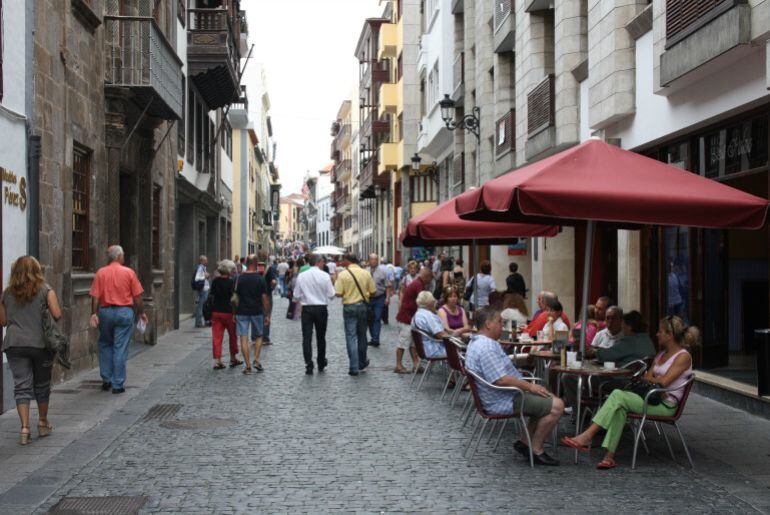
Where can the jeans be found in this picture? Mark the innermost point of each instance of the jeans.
(376, 304)
(282, 285)
(202, 296)
(116, 327)
(266, 325)
(31, 368)
(355, 316)
(314, 316)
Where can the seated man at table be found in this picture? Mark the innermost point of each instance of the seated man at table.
(486, 359)
(608, 336)
(428, 322)
(538, 324)
(633, 344)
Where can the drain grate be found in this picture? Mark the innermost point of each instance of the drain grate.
(99, 505)
(162, 412)
(198, 423)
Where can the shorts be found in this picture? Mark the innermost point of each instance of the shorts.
(404, 336)
(255, 322)
(535, 406)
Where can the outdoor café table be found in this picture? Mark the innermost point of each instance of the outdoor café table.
(588, 369)
(542, 358)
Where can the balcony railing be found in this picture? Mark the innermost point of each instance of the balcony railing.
(139, 57)
(540, 106)
(503, 9)
(369, 178)
(373, 125)
(212, 55)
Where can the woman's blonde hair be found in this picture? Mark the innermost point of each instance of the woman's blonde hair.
(688, 337)
(26, 278)
(515, 301)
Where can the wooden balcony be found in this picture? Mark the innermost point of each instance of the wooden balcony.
(369, 179)
(212, 56)
(373, 126)
(138, 57)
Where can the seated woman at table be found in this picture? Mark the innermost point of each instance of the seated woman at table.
(591, 329)
(671, 368)
(427, 321)
(555, 323)
(539, 322)
(452, 315)
(514, 311)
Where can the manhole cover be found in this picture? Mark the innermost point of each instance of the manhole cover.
(99, 505)
(198, 423)
(162, 412)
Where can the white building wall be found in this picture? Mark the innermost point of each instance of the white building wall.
(13, 143)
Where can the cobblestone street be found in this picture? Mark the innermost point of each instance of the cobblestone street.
(282, 441)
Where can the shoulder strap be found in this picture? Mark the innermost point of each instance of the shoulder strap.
(357, 286)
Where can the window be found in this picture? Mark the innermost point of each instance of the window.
(423, 98)
(433, 86)
(81, 205)
(422, 188)
(156, 201)
(400, 67)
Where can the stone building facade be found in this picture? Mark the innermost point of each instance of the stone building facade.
(107, 161)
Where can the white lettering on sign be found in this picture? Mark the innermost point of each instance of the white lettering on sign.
(10, 196)
(736, 147)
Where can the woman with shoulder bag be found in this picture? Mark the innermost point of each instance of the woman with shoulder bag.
(222, 318)
(31, 363)
(671, 368)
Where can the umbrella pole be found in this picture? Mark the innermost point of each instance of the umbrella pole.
(475, 276)
(589, 250)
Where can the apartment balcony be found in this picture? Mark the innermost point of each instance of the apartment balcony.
(390, 99)
(342, 170)
(390, 156)
(374, 73)
(389, 44)
(213, 59)
(342, 138)
(369, 179)
(336, 223)
(239, 111)
(458, 79)
(372, 125)
(139, 58)
(505, 26)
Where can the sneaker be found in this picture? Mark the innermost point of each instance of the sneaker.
(106, 385)
(352, 373)
(374, 344)
(545, 459)
(118, 390)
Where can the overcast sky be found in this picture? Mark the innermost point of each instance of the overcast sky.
(306, 48)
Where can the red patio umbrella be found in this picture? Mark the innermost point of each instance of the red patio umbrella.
(597, 182)
(442, 226)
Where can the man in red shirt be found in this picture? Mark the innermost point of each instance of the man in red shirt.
(539, 322)
(406, 311)
(114, 293)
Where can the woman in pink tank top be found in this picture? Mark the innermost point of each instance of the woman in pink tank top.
(671, 368)
(452, 314)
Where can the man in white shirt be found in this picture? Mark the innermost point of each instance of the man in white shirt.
(314, 290)
(607, 337)
(282, 267)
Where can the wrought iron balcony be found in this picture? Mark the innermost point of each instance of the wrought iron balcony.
(213, 56)
(139, 57)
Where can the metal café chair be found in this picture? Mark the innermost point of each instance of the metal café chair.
(474, 380)
(456, 369)
(417, 337)
(643, 417)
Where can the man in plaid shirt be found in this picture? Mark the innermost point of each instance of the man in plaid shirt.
(486, 359)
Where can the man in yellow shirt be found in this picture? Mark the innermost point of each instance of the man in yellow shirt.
(355, 286)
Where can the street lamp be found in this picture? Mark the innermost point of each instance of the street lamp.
(430, 171)
(469, 122)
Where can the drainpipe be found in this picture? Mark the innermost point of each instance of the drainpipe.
(33, 195)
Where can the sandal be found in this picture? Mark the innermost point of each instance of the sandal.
(400, 370)
(44, 429)
(219, 366)
(24, 437)
(569, 442)
(235, 362)
(606, 464)
(247, 371)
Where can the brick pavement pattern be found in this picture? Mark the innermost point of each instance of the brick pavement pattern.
(281, 441)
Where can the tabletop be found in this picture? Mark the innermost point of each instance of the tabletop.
(545, 354)
(591, 369)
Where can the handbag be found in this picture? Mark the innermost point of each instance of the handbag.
(369, 309)
(234, 298)
(208, 308)
(53, 338)
(469, 289)
(641, 387)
